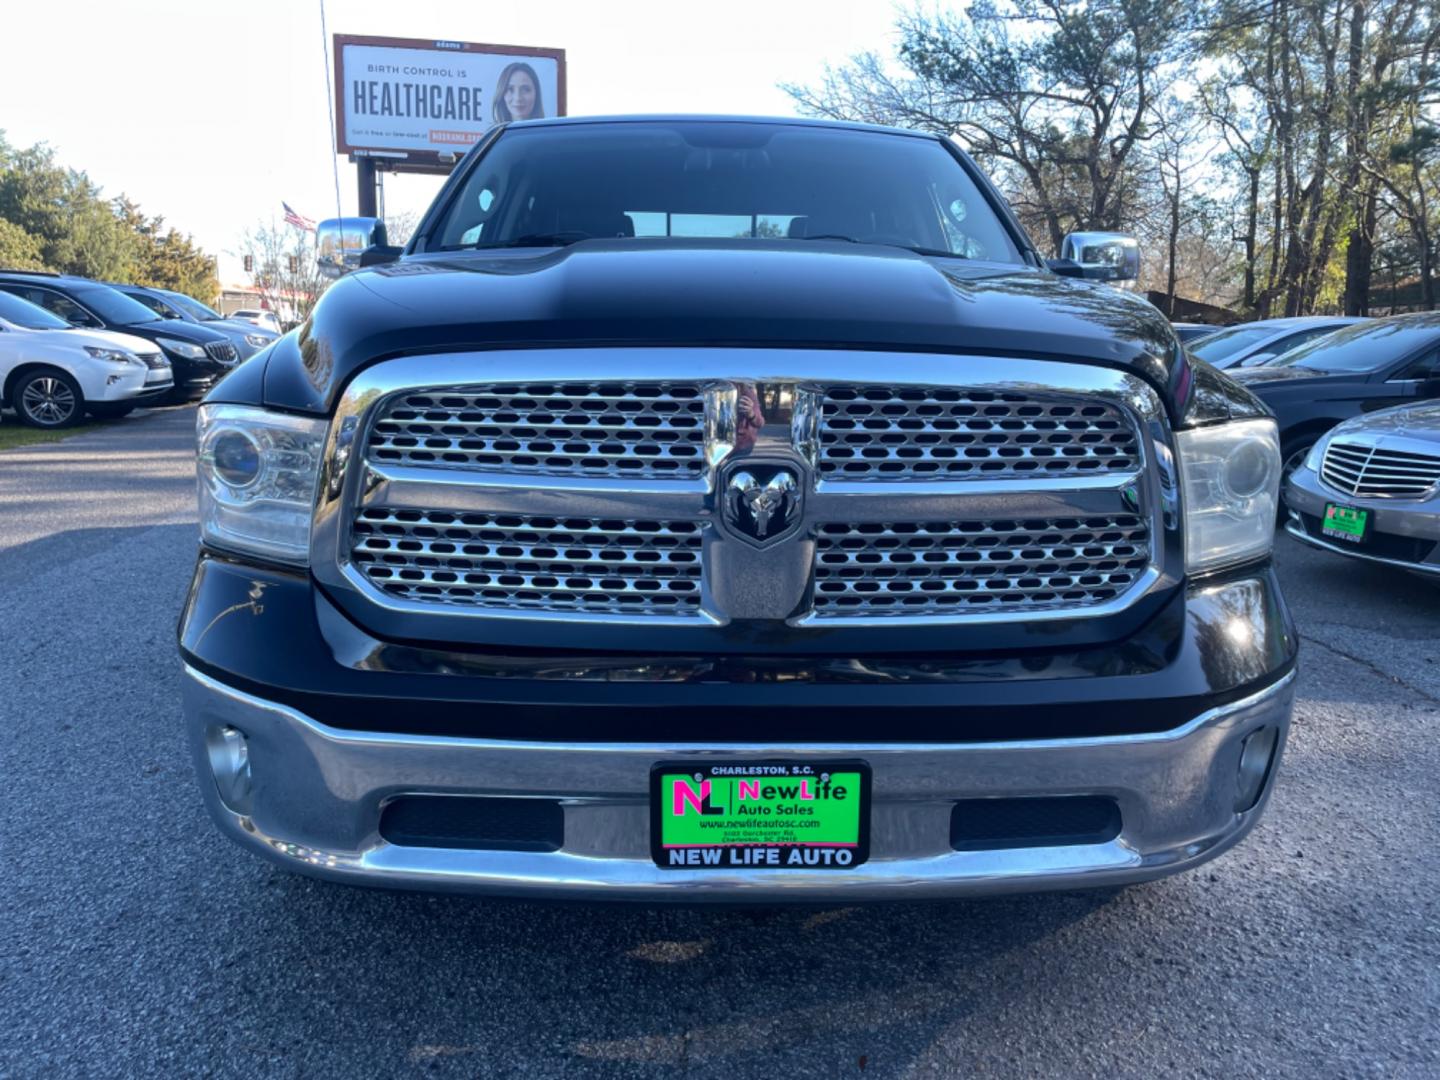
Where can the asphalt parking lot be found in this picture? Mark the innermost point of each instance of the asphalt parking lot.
(134, 940)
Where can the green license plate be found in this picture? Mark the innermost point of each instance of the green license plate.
(766, 815)
(1344, 522)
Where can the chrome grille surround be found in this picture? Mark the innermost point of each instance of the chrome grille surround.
(1369, 471)
(791, 582)
(530, 562)
(887, 569)
(223, 352)
(898, 433)
(571, 429)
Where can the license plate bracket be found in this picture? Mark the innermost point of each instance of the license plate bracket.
(788, 814)
(1347, 523)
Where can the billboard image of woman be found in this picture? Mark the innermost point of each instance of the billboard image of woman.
(517, 95)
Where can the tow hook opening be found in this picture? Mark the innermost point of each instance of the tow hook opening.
(1257, 756)
(229, 753)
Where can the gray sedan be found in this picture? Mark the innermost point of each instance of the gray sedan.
(1254, 343)
(1370, 489)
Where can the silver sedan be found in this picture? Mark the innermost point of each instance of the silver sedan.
(1370, 489)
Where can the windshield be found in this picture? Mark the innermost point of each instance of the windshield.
(1363, 347)
(192, 307)
(23, 313)
(115, 307)
(1226, 343)
(551, 186)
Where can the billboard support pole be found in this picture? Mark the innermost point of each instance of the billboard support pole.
(365, 181)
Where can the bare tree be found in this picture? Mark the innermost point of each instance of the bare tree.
(283, 269)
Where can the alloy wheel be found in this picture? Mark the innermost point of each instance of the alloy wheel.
(48, 401)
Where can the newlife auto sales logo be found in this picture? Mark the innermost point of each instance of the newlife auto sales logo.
(760, 814)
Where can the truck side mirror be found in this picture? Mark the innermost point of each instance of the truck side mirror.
(343, 244)
(1098, 256)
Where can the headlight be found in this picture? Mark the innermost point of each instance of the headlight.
(115, 356)
(1231, 480)
(257, 473)
(1312, 459)
(258, 340)
(187, 349)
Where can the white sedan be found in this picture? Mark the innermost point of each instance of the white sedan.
(51, 373)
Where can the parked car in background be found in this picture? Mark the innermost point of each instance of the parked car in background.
(1255, 343)
(247, 338)
(51, 374)
(1370, 489)
(198, 355)
(1188, 331)
(1372, 365)
(257, 317)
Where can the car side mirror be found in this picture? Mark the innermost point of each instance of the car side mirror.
(341, 243)
(1099, 256)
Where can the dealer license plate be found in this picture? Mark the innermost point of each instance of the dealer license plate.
(768, 815)
(1345, 522)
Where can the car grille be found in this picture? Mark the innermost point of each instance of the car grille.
(512, 562)
(914, 568)
(222, 351)
(925, 433)
(590, 429)
(1370, 471)
(153, 360)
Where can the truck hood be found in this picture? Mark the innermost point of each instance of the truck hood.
(711, 293)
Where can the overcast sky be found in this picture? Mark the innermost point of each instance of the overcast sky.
(211, 112)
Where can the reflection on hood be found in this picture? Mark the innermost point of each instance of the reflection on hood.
(1275, 374)
(1420, 421)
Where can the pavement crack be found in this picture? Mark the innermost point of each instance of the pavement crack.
(1372, 667)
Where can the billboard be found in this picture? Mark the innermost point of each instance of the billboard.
(414, 100)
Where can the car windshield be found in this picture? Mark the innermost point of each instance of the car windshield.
(115, 307)
(30, 316)
(556, 185)
(193, 307)
(1224, 344)
(1364, 347)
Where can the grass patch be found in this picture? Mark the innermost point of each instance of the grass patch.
(14, 435)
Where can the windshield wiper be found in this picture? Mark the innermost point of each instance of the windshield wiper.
(555, 239)
(881, 243)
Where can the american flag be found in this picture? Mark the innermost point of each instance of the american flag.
(300, 221)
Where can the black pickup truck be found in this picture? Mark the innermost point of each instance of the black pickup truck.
(717, 509)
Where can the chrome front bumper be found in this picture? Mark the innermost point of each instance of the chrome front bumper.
(317, 793)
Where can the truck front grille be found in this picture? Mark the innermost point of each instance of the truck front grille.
(924, 568)
(516, 562)
(1369, 471)
(586, 429)
(667, 486)
(928, 433)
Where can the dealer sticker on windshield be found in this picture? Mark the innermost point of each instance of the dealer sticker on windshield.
(780, 815)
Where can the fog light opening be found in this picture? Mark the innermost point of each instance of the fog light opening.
(1257, 755)
(229, 753)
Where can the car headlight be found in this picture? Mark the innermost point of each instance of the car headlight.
(1230, 475)
(257, 472)
(187, 349)
(115, 356)
(258, 340)
(1312, 459)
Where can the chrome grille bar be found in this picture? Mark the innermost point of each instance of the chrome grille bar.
(895, 569)
(513, 562)
(556, 429)
(1363, 470)
(906, 433)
